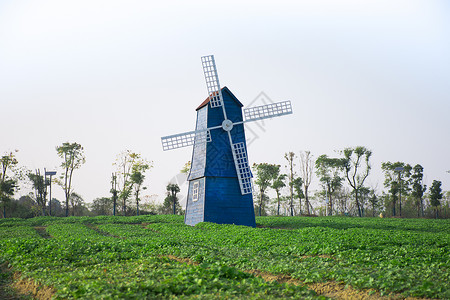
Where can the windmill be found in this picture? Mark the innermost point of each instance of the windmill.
(220, 179)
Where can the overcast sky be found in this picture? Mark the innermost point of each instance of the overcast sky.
(117, 75)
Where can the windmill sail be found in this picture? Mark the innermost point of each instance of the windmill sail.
(242, 168)
(267, 111)
(185, 139)
(212, 81)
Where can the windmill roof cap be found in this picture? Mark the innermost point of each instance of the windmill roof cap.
(224, 89)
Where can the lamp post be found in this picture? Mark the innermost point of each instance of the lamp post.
(399, 170)
(50, 173)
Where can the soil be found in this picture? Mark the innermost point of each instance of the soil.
(29, 287)
(13, 287)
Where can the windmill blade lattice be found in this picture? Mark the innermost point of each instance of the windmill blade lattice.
(212, 81)
(185, 139)
(238, 150)
(267, 111)
(243, 168)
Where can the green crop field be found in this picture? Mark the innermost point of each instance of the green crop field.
(158, 257)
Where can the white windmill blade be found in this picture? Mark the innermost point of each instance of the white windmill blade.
(267, 111)
(185, 139)
(242, 168)
(212, 81)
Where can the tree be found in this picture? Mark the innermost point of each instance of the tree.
(265, 173)
(364, 194)
(137, 179)
(172, 199)
(8, 183)
(357, 167)
(418, 188)
(40, 189)
(374, 201)
(277, 185)
(77, 203)
(436, 195)
(306, 167)
(395, 183)
(73, 157)
(290, 156)
(298, 187)
(328, 169)
(126, 161)
(7, 188)
(101, 206)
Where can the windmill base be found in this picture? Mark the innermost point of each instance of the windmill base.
(218, 200)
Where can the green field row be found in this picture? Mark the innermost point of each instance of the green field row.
(125, 257)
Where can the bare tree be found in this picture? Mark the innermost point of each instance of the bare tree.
(290, 156)
(306, 167)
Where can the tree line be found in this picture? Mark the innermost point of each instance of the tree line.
(343, 189)
(126, 185)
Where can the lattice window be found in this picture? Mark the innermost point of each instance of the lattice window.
(242, 168)
(195, 191)
(212, 81)
(268, 111)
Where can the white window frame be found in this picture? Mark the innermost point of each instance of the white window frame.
(195, 191)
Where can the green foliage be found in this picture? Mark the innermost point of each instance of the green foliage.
(73, 157)
(328, 170)
(8, 181)
(131, 168)
(356, 163)
(126, 257)
(277, 184)
(418, 188)
(265, 174)
(436, 194)
(186, 168)
(171, 203)
(102, 206)
(40, 189)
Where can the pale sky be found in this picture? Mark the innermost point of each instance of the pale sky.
(117, 75)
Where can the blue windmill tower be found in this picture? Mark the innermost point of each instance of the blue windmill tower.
(220, 179)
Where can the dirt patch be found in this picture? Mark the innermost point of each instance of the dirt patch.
(334, 290)
(12, 287)
(29, 287)
(42, 232)
(182, 260)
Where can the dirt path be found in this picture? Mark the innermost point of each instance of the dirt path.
(332, 290)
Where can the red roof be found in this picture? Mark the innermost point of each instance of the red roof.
(204, 103)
